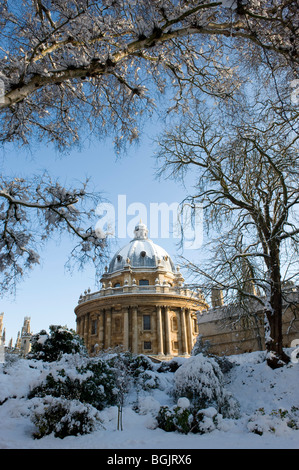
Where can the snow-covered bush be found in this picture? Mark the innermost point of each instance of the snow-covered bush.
(148, 405)
(138, 369)
(206, 420)
(143, 374)
(185, 418)
(51, 347)
(200, 346)
(203, 347)
(92, 383)
(200, 380)
(64, 418)
(174, 419)
(147, 380)
(138, 363)
(99, 386)
(172, 365)
(224, 363)
(98, 381)
(230, 407)
(134, 364)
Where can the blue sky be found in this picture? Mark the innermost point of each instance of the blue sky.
(50, 293)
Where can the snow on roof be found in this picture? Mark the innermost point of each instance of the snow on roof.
(141, 252)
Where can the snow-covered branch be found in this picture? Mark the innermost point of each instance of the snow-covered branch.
(57, 57)
(31, 212)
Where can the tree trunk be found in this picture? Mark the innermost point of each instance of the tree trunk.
(273, 329)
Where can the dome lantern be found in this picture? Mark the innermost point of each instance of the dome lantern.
(141, 231)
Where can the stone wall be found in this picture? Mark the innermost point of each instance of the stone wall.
(111, 321)
(230, 332)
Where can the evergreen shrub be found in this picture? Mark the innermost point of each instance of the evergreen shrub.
(64, 418)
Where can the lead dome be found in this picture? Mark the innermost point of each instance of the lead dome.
(142, 253)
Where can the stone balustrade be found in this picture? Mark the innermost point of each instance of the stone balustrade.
(136, 289)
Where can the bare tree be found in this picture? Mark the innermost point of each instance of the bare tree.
(247, 179)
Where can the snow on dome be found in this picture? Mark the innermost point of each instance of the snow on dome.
(141, 252)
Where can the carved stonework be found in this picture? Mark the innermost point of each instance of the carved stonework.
(145, 309)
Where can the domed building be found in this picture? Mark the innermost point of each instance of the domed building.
(143, 304)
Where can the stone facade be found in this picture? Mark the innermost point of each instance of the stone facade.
(228, 332)
(143, 305)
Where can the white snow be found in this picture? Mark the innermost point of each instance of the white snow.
(265, 396)
(183, 402)
(42, 339)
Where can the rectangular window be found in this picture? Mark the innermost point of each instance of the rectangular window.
(147, 345)
(144, 282)
(117, 325)
(146, 322)
(94, 327)
(174, 324)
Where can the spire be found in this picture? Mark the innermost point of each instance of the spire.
(18, 341)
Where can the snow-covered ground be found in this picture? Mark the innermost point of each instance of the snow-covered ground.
(260, 391)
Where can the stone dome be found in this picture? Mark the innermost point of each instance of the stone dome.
(141, 253)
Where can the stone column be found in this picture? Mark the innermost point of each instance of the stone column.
(134, 331)
(82, 326)
(86, 330)
(101, 329)
(159, 330)
(183, 332)
(108, 314)
(189, 331)
(126, 329)
(167, 331)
